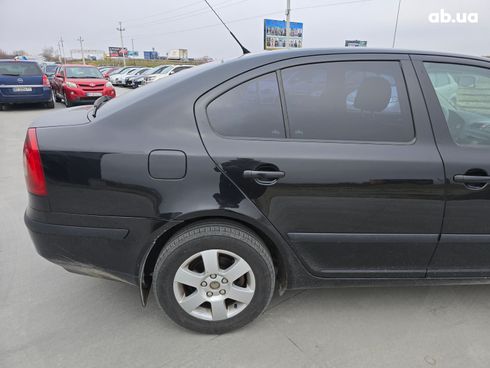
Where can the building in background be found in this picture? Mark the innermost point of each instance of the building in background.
(178, 54)
(76, 54)
(150, 55)
(275, 34)
(355, 43)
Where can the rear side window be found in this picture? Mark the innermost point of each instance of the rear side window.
(19, 68)
(464, 100)
(348, 101)
(252, 109)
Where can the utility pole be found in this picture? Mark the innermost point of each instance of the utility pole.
(81, 48)
(132, 50)
(59, 52)
(63, 49)
(121, 30)
(396, 23)
(288, 22)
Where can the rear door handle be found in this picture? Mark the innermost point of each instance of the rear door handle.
(267, 175)
(471, 179)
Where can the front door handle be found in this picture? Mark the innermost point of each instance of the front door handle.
(471, 179)
(263, 175)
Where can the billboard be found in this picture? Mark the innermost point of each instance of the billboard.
(117, 51)
(275, 34)
(355, 43)
(133, 54)
(150, 55)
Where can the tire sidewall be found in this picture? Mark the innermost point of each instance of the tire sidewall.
(163, 282)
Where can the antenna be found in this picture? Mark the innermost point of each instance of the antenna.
(244, 50)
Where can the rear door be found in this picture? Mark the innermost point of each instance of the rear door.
(457, 91)
(338, 153)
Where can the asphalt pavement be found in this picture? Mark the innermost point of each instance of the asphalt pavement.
(52, 318)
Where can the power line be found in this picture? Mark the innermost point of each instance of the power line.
(252, 17)
(163, 12)
(189, 14)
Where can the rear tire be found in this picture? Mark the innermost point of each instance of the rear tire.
(67, 102)
(214, 277)
(3, 107)
(50, 104)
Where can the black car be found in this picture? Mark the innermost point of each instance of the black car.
(290, 169)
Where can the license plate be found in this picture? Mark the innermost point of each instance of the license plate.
(94, 94)
(22, 89)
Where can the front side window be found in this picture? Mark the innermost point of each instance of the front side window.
(348, 101)
(252, 109)
(465, 100)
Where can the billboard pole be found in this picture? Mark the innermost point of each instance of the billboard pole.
(121, 29)
(288, 22)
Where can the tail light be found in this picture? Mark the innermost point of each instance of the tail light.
(33, 169)
(46, 81)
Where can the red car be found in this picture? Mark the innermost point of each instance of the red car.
(80, 83)
(107, 72)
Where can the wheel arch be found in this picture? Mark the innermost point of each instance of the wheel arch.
(273, 242)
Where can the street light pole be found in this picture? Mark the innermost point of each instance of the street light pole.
(288, 22)
(121, 30)
(81, 48)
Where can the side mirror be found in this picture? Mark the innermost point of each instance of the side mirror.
(172, 72)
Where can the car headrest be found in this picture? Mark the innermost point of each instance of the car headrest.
(373, 94)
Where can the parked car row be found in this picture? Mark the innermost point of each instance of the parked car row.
(27, 81)
(133, 77)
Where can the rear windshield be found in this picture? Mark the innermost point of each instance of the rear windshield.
(19, 68)
(83, 72)
(51, 68)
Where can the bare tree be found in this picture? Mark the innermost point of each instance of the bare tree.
(5, 55)
(19, 53)
(48, 54)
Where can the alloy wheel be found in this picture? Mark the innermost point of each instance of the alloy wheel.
(214, 285)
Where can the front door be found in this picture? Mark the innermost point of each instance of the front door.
(333, 153)
(458, 96)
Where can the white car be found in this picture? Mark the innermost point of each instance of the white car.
(171, 69)
(137, 71)
(116, 79)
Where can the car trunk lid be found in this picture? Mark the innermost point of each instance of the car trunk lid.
(66, 117)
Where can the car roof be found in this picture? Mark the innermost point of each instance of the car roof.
(286, 54)
(78, 65)
(19, 61)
